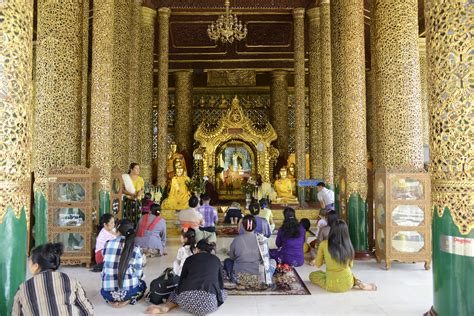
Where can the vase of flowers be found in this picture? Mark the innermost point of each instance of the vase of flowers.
(196, 186)
(248, 188)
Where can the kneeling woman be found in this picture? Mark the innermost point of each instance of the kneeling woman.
(337, 252)
(151, 234)
(201, 288)
(123, 268)
(249, 262)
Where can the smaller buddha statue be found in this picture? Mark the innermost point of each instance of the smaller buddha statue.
(202, 102)
(174, 155)
(284, 189)
(179, 194)
(223, 104)
(292, 176)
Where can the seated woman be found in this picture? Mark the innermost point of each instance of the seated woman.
(107, 221)
(190, 217)
(266, 213)
(147, 202)
(64, 296)
(290, 241)
(151, 233)
(122, 274)
(262, 226)
(188, 241)
(201, 288)
(233, 214)
(337, 252)
(249, 263)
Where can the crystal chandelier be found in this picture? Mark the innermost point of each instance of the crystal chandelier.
(227, 27)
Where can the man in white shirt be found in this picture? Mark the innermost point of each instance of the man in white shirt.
(191, 218)
(325, 196)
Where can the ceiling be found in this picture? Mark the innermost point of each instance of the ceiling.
(268, 45)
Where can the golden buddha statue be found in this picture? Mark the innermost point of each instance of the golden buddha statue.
(174, 155)
(284, 188)
(292, 176)
(179, 194)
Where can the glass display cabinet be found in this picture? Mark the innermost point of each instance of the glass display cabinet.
(73, 204)
(116, 199)
(402, 217)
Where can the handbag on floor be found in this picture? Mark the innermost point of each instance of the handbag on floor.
(162, 286)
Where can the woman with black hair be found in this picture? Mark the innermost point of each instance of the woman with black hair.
(50, 292)
(122, 274)
(290, 241)
(201, 288)
(337, 252)
(106, 233)
(249, 263)
(151, 232)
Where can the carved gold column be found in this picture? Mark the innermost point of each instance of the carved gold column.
(279, 112)
(85, 99)
(134, 122)
(121, 75)
(371, 116)
(16, 24)
(184, 114)
(315, 107)
(109, 91)
(450, 72)
(397, 73)
(298, 21)
(163, 23)
(424, 91)
(58, 104)
(348, 86)
(326, 92)
(146, 93)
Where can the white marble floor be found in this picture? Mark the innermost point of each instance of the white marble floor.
(406, 289)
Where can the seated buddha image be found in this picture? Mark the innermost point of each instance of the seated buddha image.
(292, 176)
(284, 188)
(179, 194)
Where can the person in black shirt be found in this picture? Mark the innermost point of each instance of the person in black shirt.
(201, 288)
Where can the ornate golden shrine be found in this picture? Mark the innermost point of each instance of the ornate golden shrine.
(236, 126)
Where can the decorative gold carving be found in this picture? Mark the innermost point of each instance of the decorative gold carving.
(399, 120)
(16, 20)
(58, 106)
(163, 22)
(449, 44)
(424, 91)
(184, 111)
(279, 110)
(102, 90)
(315, 106)
(223, 78)
(298, 18)
(148, 18)
(371, 117)
(348, 86)
(236, 126)
(135, 118)
(326, 92)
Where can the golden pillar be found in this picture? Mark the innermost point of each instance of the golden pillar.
(397, 74)
(450, 72)
(146, 93)
(315, 107)
(134, 109)
(371, 116)
(326, 92)
(184, 113)
(85, 99)
(348, 86)
(109, 91)
(424, 91)
(163, 23)
(59, 97)
(16, 23)
(300, 126)
(279, 112)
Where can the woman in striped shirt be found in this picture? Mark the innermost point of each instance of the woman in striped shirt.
(50, 292)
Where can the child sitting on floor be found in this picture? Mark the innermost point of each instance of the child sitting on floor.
(306, 225)
(188, 241)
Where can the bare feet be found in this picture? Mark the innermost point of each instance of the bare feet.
(119, 304)
(366, 286)
(312, 262)
(160, 309)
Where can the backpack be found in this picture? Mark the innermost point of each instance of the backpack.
(162, 286)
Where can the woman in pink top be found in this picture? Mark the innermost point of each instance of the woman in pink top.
(107, 233)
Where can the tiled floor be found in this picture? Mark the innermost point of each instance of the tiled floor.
(406, 289)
